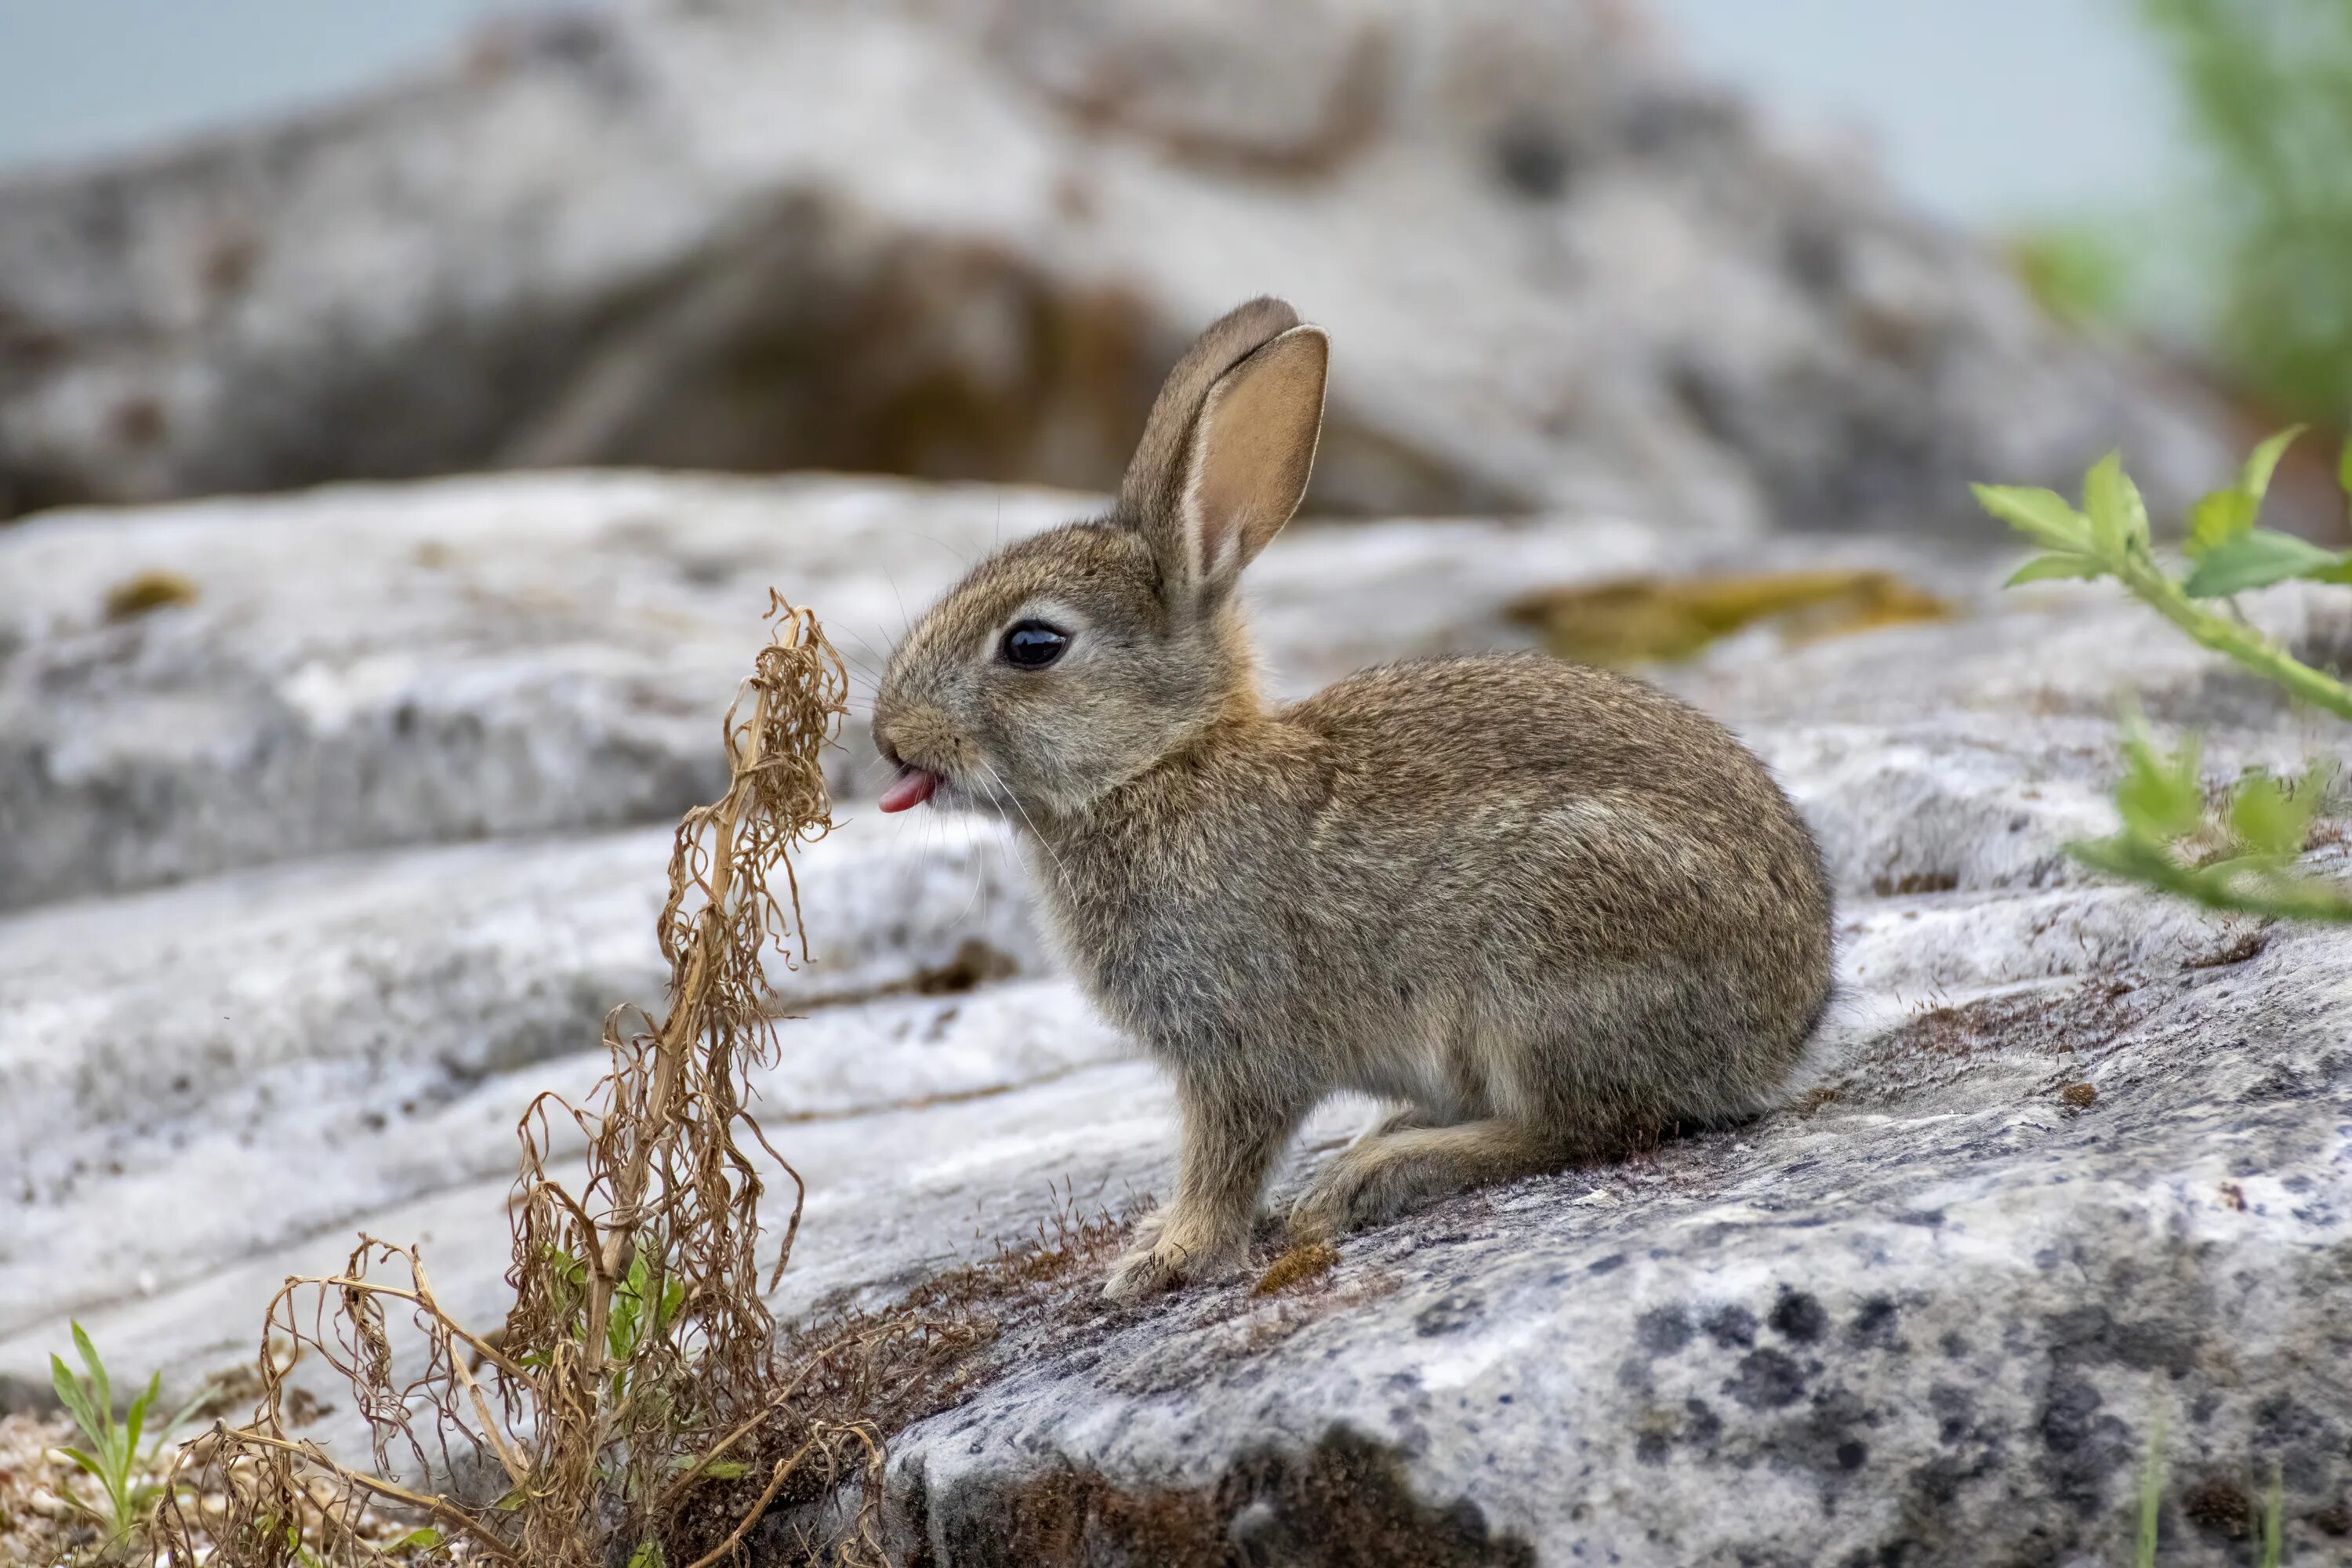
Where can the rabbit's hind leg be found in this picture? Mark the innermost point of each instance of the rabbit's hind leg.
(1381, 1176)
(1404, 1118)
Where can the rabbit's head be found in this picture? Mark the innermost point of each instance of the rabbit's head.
(1073, 660)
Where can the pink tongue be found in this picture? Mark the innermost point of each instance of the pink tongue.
(910, 788)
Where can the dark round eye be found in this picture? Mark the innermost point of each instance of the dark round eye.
(1034, 645)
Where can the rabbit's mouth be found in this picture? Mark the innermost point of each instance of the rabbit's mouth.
(912, 787)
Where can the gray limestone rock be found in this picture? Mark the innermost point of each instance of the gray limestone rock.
(2074, 1158)
(965, 241)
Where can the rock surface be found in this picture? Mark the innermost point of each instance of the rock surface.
(1928, 1317)
(372, 666)
(965, 239)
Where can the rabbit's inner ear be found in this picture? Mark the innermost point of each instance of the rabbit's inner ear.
(1252, 448)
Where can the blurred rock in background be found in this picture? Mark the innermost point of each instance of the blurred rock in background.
(963, 239)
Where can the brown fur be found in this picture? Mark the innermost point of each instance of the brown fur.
(1549, 909)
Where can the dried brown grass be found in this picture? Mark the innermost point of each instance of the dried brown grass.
(639, 1356)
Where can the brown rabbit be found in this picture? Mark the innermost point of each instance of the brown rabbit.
(1550, 910)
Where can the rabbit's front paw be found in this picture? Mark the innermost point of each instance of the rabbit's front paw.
(1165, 1255)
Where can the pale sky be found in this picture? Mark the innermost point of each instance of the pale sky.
(1985, 111)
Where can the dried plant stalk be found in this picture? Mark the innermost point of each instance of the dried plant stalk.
(639, 1343)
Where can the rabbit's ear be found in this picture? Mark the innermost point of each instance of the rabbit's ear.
(1230, 442)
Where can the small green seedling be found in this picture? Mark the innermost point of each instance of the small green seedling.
(2270, 1543)
(2240, 853)
(2151, 1494)
(113, 1455)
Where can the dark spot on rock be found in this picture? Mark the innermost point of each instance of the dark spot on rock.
(1662, 1331)
(1344, 1501)
(1651, 1448)
(2092, 1335)
(1826, 1439)
(137, 421)
(1932, 1218)
(1914, 882)
(2301, 1441)
(1938, 1481)
(1531, 158)
(1703, 1426)
(2079, 1096)
(2336, 1518)
(1615, 1262)
(1704, 396)
(1767, 1380)
(975, 963)
(1954, 1407)
(1875, 1325)
(1447, 1315)
(2086, 1444)
(1798, 1316)
(1731, 1327)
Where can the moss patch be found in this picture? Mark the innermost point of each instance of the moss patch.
(1343, 1500)
(148, 591)
(1634, 619)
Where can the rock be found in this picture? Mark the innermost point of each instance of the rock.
(1929, 1313)
(385, 1020)
(1935, 1321)
(965, 241)
(363, 666)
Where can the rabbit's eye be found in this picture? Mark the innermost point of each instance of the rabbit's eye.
(1034, 645)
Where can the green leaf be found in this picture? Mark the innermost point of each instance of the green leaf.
(75, 1397)
(135, 1422)
(2270, 819)
(103, 1395)
(86, 1461)
(648, 1554)
(2258, 558)
(2057, 563)
(2255, 479)
(2344, 466)
(2118, 517)
(673, 1298)
(424, 1540)
(725, 1470)
(2216, 518)
(2160, 797)
(2041, 514)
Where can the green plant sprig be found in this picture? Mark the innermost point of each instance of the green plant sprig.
(2108, 537)
(2241, 856)
(2253, 838)
(116, 1461)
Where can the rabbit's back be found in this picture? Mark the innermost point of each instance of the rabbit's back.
(1522, 804)
(1570, 885)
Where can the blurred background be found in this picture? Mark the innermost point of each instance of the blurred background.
(1700, 261)
(1989, 114)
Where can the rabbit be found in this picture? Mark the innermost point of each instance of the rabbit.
(1549, 912)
